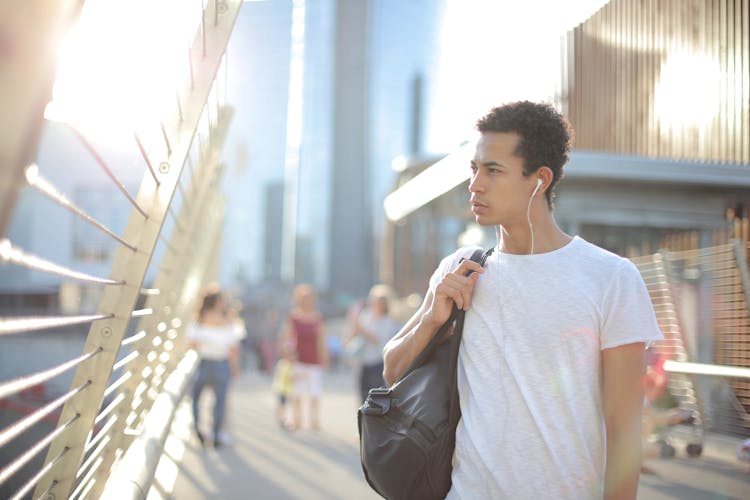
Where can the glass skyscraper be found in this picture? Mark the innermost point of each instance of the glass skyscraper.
(367, 73)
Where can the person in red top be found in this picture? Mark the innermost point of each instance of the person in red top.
(304, 328)
(656, 385)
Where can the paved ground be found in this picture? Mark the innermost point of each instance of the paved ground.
(266, 462)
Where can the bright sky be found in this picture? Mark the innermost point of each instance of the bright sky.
(110, 80)
(495, 51)
(492, 51)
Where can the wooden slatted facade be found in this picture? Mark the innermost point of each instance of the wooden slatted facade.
(661, 78)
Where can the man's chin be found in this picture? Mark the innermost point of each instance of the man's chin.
(484, 221)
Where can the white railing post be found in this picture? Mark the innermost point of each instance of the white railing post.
(67, 450)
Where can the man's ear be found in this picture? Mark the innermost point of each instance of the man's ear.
(546, 175)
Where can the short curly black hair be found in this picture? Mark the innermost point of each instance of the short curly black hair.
(546, 137)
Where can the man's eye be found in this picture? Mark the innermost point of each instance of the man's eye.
(494, 170)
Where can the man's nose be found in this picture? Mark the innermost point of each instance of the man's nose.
(475, 184)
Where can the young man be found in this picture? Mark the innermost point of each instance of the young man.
(551, 364)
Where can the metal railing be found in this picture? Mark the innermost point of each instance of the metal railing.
(709, 289)
(134, 364)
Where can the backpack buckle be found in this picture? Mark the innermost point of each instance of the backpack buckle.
(378, 401)
(380, 391)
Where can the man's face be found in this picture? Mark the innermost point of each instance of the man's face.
(499, 191)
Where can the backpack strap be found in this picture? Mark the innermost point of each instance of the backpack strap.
(455, 320)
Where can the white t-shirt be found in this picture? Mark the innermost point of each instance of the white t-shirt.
(383, 328)
(214, 342)
(529, 369)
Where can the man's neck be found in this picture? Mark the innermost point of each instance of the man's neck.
(547, 236)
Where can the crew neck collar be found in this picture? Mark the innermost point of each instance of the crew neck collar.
(563, 248)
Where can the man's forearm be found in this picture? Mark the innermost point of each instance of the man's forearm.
(623, 465)
(403, 349)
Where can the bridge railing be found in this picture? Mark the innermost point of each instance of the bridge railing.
(701, 298)
(135, 348)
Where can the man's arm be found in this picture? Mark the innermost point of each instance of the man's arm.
(406, 345)
(623, 370)
(435, 310)
(324, 356)
(234, 360)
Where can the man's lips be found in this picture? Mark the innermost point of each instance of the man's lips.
(478, 207)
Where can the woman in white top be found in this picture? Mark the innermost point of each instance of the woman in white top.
(374, 327)
(216, 336)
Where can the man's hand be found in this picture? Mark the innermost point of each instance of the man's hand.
(455, 287)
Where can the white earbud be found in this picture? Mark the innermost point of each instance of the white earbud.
(528, 213)
(538, 185)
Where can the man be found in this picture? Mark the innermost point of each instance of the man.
(551, 364)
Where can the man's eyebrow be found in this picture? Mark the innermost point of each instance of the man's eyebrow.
(490, 163)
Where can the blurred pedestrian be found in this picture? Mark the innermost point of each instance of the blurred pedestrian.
(215, 335)
(304, 328)
(371, 329)
(657, 419)
(283, 382)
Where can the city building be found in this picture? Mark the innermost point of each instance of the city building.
(328, 94)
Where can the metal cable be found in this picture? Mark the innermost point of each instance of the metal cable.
(183, 195)
(10, 432)
(84, 487)
(166, 138)
(145, 157)
(95, 453)
(117, 383)
(177, 222)
(49, 489)
(124, 361)
(14, 255)
(12, 325)
(19, 384)
(107, 170)
(23, 459)
(102, 432)
(110, 407)
(142, 312)
(35, 180)
(34, 480)
(134, 338)
(166, 242)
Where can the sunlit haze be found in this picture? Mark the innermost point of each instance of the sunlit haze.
(119, 63)
(496, 51)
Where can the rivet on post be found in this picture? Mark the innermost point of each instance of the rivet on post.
(164, 167)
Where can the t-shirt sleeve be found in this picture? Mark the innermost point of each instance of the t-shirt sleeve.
(239, 330)
(192, 332)
(628, 314)
(449, 263)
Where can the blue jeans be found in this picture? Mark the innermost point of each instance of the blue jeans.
(214, 374)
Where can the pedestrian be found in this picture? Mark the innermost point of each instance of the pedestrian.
(656, 418)
(305, 330)
(372, 328)
(283, 382)
(551, 364)
(215, 335)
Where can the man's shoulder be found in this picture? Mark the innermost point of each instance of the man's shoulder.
(597, 255)
(465, 252)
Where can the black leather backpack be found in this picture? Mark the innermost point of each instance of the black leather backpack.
(407, 432)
